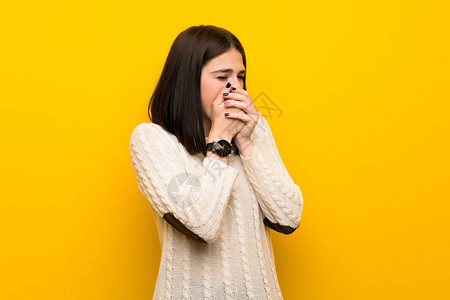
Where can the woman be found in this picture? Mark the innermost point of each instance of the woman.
(214, 208)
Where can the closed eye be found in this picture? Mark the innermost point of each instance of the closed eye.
(224, 77)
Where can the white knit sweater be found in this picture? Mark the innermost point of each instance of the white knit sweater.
(213, 219)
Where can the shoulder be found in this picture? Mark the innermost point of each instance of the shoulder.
(153, 135)
(150, 130)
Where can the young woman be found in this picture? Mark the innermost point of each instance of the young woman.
(210, 168)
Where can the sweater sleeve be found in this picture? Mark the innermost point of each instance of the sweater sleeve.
(191, 199)
(280, 199)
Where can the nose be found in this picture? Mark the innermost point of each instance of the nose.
(236, 82)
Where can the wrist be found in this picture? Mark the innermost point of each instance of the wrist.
(217, 136)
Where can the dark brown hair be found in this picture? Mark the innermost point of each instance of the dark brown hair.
(176, 102)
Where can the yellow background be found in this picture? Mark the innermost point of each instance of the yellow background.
(363, 87)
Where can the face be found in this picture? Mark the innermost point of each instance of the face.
(213, 81)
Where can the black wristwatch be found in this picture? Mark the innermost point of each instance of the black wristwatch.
(222, 147)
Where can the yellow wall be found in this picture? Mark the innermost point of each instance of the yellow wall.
(363, 87)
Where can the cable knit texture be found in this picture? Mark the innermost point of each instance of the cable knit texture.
(214, 220)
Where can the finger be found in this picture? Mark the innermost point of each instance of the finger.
(226, 90)
(253, 115)
(241, 98)
(240, 91)
(236, 96)
(242, 95)
(241, 116)
(236, 103)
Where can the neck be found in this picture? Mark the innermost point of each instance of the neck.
(206, 126)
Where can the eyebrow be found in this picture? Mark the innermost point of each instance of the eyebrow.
(228, 71)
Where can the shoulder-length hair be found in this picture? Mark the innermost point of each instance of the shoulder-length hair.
(175, 103)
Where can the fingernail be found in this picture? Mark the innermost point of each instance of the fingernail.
(226, 114)
(233, 88)
(226, 103)
(228, 85)
(225, 94)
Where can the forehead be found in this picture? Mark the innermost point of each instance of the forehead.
(228, 60)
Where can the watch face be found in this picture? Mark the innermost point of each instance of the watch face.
(223, 148)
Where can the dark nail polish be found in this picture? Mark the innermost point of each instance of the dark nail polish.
(228, 85)
(226, 114)
(225, 94)
(233, 88)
